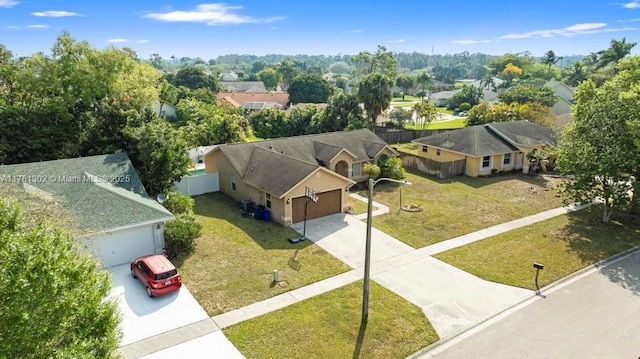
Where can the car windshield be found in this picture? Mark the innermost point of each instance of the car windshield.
(166, 275)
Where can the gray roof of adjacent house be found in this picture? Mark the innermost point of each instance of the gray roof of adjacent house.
(244, 86)
(441, 95)
(276, 165)
(104, 192)
(490, 139)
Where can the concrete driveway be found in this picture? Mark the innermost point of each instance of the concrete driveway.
(144, 317)
(452, 299)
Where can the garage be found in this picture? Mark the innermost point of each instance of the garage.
(123, 245)
(329, 202)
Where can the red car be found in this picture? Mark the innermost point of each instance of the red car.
(157, 274)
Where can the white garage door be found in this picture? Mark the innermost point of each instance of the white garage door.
(122, 246)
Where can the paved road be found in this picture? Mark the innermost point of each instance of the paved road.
(594, 316)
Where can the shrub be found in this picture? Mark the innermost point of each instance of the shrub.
(178, 203)
(180, 235)
(465, 106)
(392, 168)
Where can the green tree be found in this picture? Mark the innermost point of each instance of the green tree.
(168, 94)
(371, 170)
(594, 151)
(195, 78)
(340, 67)
(497, 64)
(391, 167)
(302, 121)
(575, 74)
(616, 52)
(270, 123)
(342, 111)
(374, 91)
(270, 78)
(288, 69)
(425, 82)
(400, 116)
(510, 73)
(425, 114)
(550, 59)
(159, 154)
(208, 124)
(502, 112)
(405, 82)
(468, 94)
(381, 62)
(309, 89)
(54, 301)
(528, 94)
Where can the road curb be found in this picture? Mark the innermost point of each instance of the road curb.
(422, 353)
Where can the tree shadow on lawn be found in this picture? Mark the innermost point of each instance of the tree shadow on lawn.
(594, 241)
(267, 234)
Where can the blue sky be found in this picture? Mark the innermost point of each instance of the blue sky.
(259, 27)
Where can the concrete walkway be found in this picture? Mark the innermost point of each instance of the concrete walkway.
(452, 300)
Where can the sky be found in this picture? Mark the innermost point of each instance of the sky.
(329, 27)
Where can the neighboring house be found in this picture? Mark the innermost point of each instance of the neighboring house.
(196, 155)
(168, 110)
(244, 86)
(276, 172)
(113, 212)
(485, 149)
(229, 76)
(565, 97)
(440, 99)
(481, 83)
(238, 99)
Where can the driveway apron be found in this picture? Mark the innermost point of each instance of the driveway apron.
(452, 299)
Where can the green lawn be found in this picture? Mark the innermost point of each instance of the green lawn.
(359, 207)
(459, 205)
(235, 257)
(441, 125)
(328, 326)
(563, 244)
(407, 98)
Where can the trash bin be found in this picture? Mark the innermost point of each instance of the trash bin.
(266, 214)
(258, 212)
(247, 205)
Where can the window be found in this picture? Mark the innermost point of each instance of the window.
(506, 160)
(233, 183)
(355, 170)
(486, 161)
(268, 200)
(438, 152)
(424, 148)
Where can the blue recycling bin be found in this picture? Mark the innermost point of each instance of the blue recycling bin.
(266, 215)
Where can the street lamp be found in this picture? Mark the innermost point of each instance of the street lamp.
(367, 252)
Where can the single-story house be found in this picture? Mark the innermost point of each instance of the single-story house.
(501, 146)
(229, 76)
(238, 99)
(114, 217)
(440, 99)
(275, 173)
(565, 97)
(244, 86)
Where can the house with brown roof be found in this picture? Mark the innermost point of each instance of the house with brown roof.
(275, 173)
(483, 149)
(239, 99)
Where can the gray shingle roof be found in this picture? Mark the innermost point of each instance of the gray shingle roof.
(490, 139)
(104, 192)
(244, 86)
(295, 157)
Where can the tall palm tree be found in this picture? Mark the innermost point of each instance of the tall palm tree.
(424, 79)
(288, 69)
(616, 52)
(577, 74)
(550, 59)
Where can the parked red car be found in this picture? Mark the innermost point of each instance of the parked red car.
(157, 274)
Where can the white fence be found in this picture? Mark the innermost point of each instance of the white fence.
(195, 185)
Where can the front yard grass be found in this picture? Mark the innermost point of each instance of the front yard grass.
(564, 244)
(460, 205)
(359, 207)
(328, 326)
(234, 259)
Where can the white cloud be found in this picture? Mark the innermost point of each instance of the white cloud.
(586, 26)
(632, 5)
(470, 42)
(577, 29)
(38, 26)
(355, 31)
(143, 41)
(54, 13)
(12, 27)
(8, 3)
(116, 41)
(210, 14)
(619, 29)
(398, 41)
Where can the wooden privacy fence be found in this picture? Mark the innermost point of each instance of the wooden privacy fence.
(433, 168)
(395, 135)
